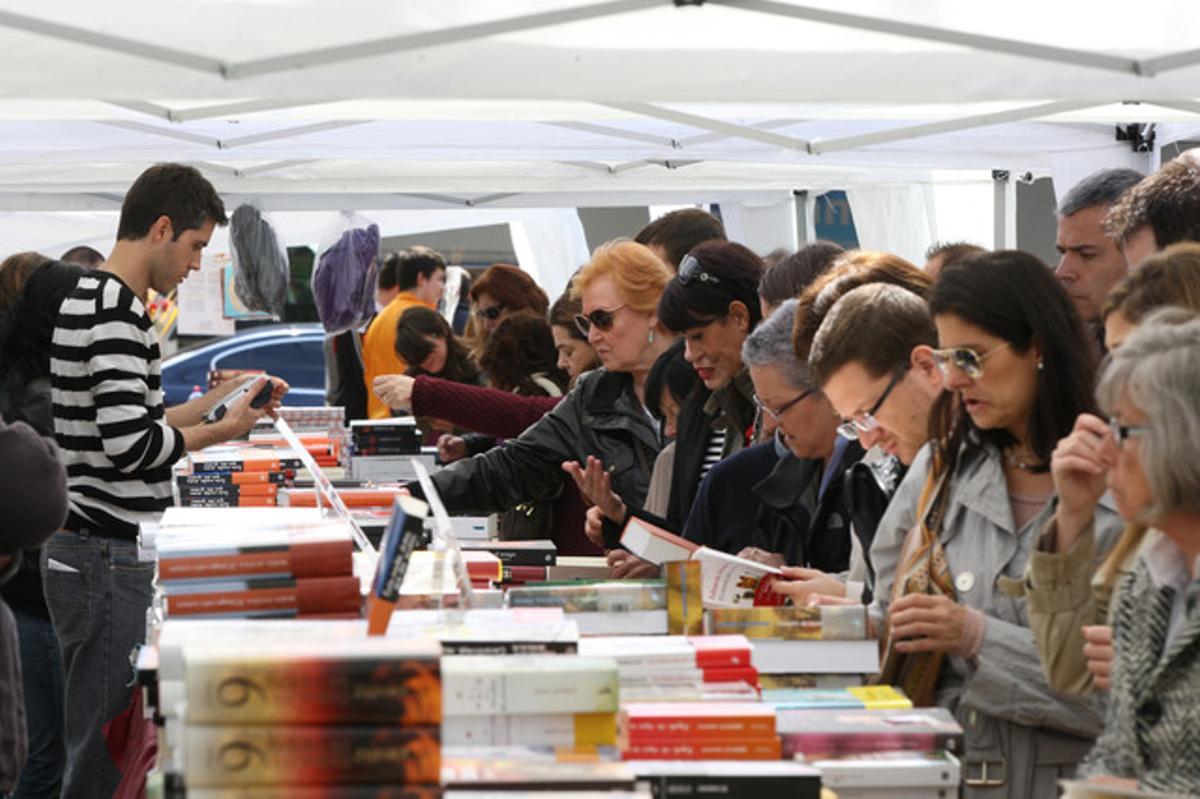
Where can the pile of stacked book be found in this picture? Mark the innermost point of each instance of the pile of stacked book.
(382, 450)
(698, 731)
(537, 561)
(256, 567)
(285, 716)
(678, 668)
(247, 475)
(794, 647)
(617, 607)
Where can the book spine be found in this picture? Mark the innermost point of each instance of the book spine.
(226, 479)
(510, 647)
(323, 559)
(742, 749)
(231, 492)
(285, 756)
(276, 597)
(685, 604)
(652, 730)
(746, 674)
(315, 792)
(386, 449)
(217, 502)
(527, 558)
(738, 787)
(239, 465)
(816, 744)
(353, 690)
(550, 729)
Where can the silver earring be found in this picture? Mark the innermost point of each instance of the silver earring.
(1041, 365)
(650, 337)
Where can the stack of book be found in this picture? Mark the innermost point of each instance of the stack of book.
(619, 607)
(522, 562)
(430, 575)
(284, 716)
(530, 700)
(698, 731)
(821, 647)
(679, 669)
(382, 450)
(296, 570)
(236, 476)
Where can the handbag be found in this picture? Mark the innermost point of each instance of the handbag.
(923, 570)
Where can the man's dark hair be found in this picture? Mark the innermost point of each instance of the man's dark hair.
(1014, 296)
(386, 277)
(679, 231)
(1167, 201)
(788, 278)
(1101, 188)
(875, 325)
(413, 262)
(736, 271)
(175, 191)
(85, 256)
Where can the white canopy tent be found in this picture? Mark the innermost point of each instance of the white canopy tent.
(441, 110)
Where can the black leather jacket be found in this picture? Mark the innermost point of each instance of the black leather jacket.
(601, 416)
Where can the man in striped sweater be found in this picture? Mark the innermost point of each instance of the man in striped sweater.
(119, 443)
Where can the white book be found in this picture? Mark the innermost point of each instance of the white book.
(654, 544)
(728, 581)
(226, 518)
(528, 684)
(779, 656)
(890, 770)
(642, 652)
(537, 729)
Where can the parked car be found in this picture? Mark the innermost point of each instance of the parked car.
(292, 352)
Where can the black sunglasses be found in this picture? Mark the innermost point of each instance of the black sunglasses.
(601, 318)
(491, 314)
(690, 271)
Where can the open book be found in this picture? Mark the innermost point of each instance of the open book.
(727, 580)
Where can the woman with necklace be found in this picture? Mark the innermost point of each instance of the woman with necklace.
(1017, 372)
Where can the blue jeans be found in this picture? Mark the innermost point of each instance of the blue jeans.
(42, 679)
(98, 595)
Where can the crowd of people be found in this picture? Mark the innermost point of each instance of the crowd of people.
(995, 456)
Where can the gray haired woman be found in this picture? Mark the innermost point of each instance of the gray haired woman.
(1151, 393)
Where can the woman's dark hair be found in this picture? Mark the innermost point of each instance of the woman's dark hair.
(512, 288)
(1014, 296)
(14, 272)
(789, 278)
(672, 372)
(563, 313)
(416, 326)
(519, 348)
(727, 272)
(28, 329)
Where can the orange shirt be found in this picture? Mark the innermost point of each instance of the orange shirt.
(379, 349)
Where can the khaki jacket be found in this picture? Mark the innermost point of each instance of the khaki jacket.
(1021, 737)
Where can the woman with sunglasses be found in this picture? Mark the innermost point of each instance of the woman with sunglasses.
(501, 291)
(1017, 370)
(603, 416)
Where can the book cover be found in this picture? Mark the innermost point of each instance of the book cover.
(730, 749)
(541, 729)
(404, 532)
(654, 544)
(317, 556)
(733, 582)
(667, 721)
(528, 684)
(608, 597)
(237, 755)
(518, 553)
(376, 680)
(832, 623)
(836, 733)
(685, 606)
(280, 597)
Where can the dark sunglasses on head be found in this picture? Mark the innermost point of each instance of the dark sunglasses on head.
(690, 271)
(491, 314)
(602, 318)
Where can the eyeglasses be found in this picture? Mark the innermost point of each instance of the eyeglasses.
(966, 359)
(691, 271)
(602, 318)
(776, 413)
(1123, 432)
(865, 421)
(491, 314)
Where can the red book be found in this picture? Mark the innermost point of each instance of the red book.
(307, 559)
(351, 497)
(730, 749)
(746, 674)
(721, 651)
(658, 722)
(269, 598)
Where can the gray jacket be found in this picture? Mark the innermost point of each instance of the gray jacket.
(1026, 735)
(1154, 701)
